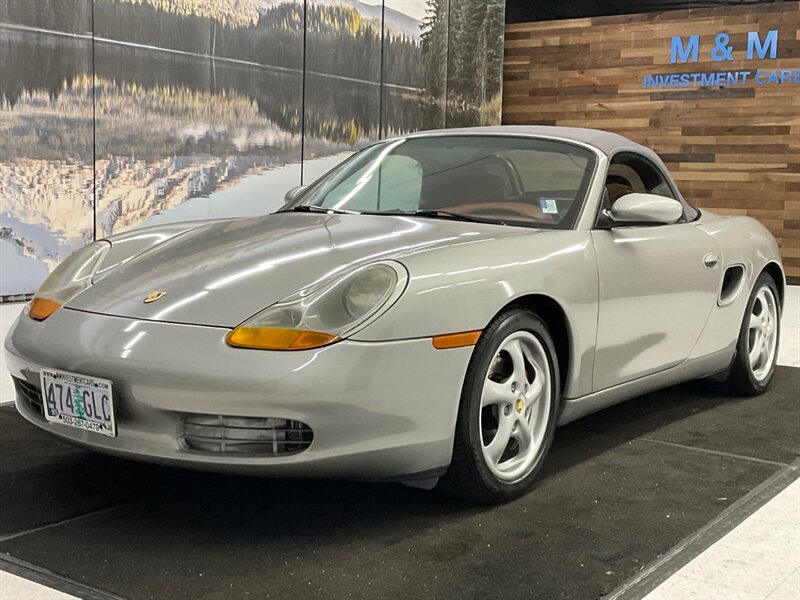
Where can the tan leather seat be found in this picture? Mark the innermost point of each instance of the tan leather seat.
(621, 180)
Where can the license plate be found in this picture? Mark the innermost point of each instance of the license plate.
(78, 401)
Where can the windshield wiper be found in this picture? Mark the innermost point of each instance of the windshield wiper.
(431, 214)
(456, 216)
(319, 209)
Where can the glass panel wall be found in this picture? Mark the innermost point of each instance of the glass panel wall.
(46, 149)
(126, 113)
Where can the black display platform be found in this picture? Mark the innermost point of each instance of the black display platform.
(620, 488)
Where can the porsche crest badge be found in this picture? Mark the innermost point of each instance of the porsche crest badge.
(153, 296)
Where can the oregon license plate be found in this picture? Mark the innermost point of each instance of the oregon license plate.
(78, 401)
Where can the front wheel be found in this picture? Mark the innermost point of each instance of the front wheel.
(757, 347)
(507, 415)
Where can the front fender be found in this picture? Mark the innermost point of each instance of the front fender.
(461, 287)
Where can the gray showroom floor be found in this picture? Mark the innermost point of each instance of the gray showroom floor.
(626, 499)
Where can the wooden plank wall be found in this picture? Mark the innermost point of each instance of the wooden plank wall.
(733, 151)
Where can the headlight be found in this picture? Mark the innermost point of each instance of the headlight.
(67, 280)
(326, 314)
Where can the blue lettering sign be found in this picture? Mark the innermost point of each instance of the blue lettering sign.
(686, 49)
(684, 53)
(721, 49)
(770, 44)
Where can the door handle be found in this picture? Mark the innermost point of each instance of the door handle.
(710, 260)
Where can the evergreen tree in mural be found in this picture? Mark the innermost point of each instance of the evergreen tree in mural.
(476, 29)
(460, 45)
(73, 16)
(343, 42)
(470, 37)
(434, 47)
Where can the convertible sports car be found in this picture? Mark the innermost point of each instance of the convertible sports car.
(435, 305)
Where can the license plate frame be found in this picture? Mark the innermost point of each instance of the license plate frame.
(79, 401)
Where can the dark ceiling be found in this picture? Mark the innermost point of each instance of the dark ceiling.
(521, 11)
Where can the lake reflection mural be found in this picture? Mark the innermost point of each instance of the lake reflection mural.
(125, 113)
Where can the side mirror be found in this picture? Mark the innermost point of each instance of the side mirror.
(294, 192)
(645, 208)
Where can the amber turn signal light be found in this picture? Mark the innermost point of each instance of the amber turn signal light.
(41, 308)
(278, 338)
(456, 340)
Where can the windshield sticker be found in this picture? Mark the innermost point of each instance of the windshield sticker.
(549, 206)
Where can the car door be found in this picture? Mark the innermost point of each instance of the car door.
(657, 283)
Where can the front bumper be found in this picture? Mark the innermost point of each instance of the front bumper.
(378, 410)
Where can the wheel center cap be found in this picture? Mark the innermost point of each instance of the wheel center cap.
(520, 404)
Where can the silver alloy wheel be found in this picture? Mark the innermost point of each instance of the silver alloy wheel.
(762, 334)
(515, 407)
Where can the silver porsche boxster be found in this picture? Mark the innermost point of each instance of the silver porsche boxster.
(435, 305)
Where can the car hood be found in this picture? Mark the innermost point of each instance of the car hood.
(221, 273)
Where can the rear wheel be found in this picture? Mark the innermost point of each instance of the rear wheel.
(757, 347)
(506, 419)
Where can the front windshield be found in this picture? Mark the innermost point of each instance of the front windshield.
(513, 180)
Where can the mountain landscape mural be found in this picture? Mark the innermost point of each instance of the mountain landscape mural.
(123, 113)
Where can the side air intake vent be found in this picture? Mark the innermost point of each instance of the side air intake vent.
(731, 284)
(245, 436)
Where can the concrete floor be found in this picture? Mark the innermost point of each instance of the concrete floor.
(758, 560)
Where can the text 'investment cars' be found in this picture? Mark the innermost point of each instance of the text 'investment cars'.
(435, 305)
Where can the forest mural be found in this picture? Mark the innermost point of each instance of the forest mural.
(123, 113)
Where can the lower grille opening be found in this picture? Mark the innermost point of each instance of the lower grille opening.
(245, 436)
(29, 395)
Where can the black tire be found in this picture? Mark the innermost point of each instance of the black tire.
(468, 471)
(741, 379)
